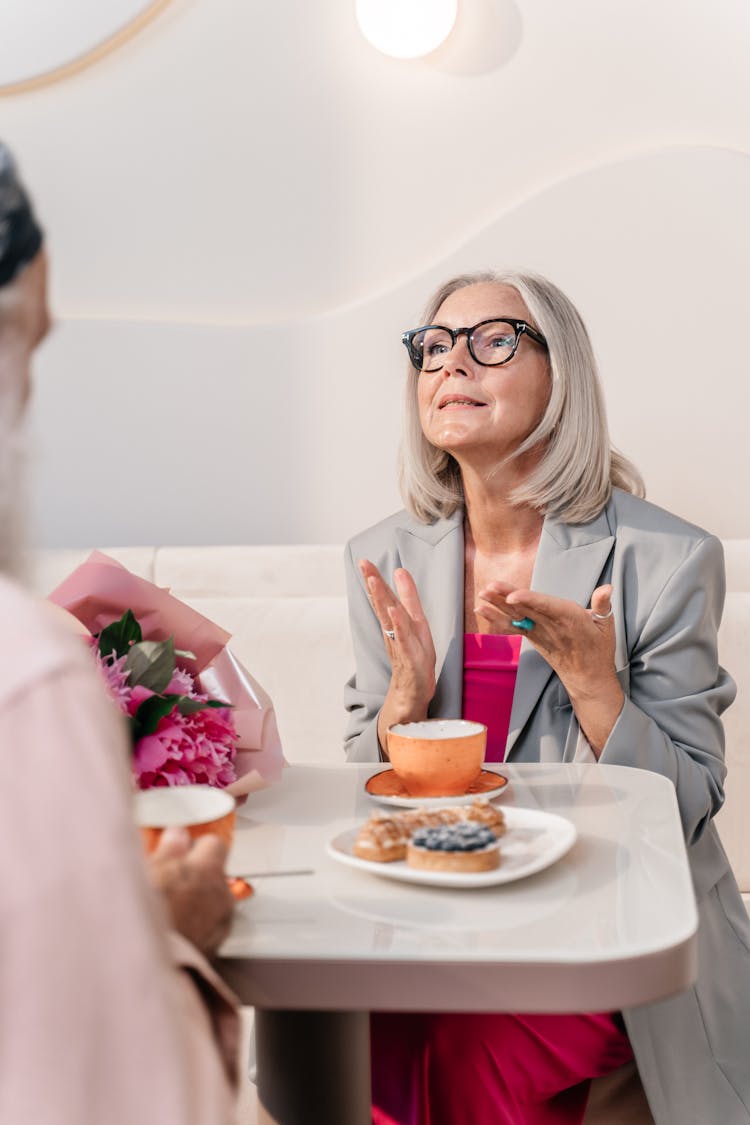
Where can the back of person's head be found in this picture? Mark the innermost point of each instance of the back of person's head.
(21, 253)
(23, 322)
(20, 234)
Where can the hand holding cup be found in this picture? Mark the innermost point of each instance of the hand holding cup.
(190, 876)
(186, 832)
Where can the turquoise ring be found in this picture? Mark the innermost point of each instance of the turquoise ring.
(525, 623)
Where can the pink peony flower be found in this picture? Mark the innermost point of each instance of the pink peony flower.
(115, 678)
(182, 684)
(197, 749)
(137, 696)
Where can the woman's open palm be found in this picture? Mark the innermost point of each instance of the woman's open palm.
(410, 648)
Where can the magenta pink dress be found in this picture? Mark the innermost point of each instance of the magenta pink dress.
(484, 1068)
(490, 666)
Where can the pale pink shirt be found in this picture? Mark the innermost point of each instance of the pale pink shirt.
(105, 1017)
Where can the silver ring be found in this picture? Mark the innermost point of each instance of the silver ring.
(603, 616)
(390, 634)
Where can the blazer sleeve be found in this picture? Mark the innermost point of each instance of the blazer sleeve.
(671, 721)
(365, 691)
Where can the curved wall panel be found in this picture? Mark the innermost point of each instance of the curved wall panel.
(288, 433)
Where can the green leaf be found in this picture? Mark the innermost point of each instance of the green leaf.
(188, 706)
(185, 652)
(151, 664)
(146, 719)
(120, 636)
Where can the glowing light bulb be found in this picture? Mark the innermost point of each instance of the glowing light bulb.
(406, 29)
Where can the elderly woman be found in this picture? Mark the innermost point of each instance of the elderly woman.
(530, 587)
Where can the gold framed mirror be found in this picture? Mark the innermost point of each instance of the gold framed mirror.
(43, 41)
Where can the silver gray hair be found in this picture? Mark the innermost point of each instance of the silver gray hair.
(13, 506)
(573, 479)
(13, 560)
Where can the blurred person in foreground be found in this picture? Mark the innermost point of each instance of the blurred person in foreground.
(110, 1012)
(530, 587)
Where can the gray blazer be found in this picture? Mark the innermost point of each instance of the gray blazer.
(668, 593)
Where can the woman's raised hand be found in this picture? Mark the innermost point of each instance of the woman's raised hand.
(410, 649)
(578, 643)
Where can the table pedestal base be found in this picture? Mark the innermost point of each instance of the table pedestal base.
(313, 1066)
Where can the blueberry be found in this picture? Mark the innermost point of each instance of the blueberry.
(463, 837)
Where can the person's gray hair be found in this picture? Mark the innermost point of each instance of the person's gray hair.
(12, 432)
(21, 240)
(13, 499)
(573, 480)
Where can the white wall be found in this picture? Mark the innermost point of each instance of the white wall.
(245, 195)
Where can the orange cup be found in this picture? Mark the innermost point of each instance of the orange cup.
(198, 808)
(437, 757)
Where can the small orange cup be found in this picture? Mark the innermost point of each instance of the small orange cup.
(437, 757)
(198, 808)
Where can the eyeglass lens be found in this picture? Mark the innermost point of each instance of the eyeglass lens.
(491, 344)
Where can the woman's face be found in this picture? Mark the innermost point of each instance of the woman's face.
(466, 408)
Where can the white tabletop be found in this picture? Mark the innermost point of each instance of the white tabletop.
(610, 925)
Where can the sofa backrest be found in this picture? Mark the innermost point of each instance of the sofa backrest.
(285, 607)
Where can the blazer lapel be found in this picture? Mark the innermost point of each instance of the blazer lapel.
(434, 556)
(569, 563)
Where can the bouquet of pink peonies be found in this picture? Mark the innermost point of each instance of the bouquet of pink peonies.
(180, 736)
(196, 715)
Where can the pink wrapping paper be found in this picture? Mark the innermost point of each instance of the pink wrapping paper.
(100, 590)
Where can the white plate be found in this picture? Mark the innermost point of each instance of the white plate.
(408, 802)
(532, 841)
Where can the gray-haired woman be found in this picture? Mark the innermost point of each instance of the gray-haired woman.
(524, 524)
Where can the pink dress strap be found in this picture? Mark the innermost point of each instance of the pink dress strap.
(490, 667)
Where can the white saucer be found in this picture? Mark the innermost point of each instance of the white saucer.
(532, 841)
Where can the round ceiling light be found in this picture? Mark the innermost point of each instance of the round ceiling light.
(406, 29)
